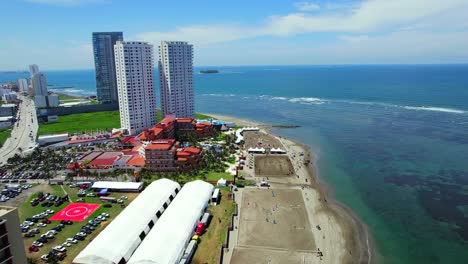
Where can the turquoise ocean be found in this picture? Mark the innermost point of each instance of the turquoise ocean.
(391, 141)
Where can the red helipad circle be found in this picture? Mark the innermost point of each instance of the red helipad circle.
(76, 211)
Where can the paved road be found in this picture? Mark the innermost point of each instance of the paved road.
(20, 135)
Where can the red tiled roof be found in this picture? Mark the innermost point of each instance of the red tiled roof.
(184, 120)
(181, 159)
(183, 153)
(167, 120)
(136, 161)
(161, 144)
(192, 150)
(128, 140)
(100, 162)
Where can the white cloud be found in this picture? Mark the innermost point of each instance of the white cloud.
(306, 6)
(367, 17)
(66, 2)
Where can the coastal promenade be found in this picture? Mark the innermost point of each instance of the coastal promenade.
(293, 220)
(24, 131)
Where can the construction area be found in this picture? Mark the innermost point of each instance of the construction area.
(273, 165)
(274, 228)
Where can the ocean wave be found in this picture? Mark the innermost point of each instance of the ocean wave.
(313, 100)
(436, 109)
(279, 98)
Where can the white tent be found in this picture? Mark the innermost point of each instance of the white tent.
(166, 242)
(123, 235)
(221, 182)
(277, 151)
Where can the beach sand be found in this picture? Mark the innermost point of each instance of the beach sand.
(336, 230)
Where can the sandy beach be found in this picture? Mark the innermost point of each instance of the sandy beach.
(335, 229)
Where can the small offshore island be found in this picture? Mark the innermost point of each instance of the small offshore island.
(208, 71)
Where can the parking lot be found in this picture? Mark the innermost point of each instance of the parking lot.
(68, 238)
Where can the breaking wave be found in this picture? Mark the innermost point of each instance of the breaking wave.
(437, 109)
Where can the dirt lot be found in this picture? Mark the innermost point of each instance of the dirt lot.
(275, 219)
(255, 255)
(273, 165)
(259, 139)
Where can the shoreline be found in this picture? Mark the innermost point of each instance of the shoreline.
(354, 231)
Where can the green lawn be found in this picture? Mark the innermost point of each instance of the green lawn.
(202, 116)
(26, 210)
(69, 97)
(214, 176)
(81, 122)
(4, 134)
(89, 121)
(208, 250)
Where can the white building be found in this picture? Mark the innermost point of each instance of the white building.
(23, 85)
(10, 97)
(11, 240)
(176, 78)
(53, 100)
(117, 242)
(33, 70)
(40, 101)
(135, 87)
(166, 242)
(39, 84)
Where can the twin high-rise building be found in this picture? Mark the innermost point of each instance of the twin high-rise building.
(104, 62)
(124, 74)
(176, 78)
(134, 65)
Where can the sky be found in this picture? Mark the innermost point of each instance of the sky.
(56, 34)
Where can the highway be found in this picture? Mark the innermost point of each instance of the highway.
(24, 131)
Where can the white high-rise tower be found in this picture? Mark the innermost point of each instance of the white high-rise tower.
(176, 78)
(134, 65)
(39, 84)
(33, 69)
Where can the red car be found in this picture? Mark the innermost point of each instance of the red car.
(46, 221)
(33, 248)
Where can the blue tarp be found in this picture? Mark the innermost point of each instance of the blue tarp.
(103, 191)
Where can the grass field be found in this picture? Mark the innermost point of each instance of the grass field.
(88, 121)
(69, 97)
(214, 176)
(4, 133)
(210, 243)
(26, 210)
(81, 122)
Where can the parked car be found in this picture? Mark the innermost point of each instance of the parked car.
(77, 237)
(59, 248)
(37, 244)
(72, 240)
(33, 248)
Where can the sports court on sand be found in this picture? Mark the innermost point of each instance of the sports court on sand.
(274, 228)
(273, 165)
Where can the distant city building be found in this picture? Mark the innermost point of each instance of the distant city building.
(134, 71)
(176, 78)
(53, 100)
(23, 85)
(11, 241)
(40, 101)
(33, 69)
(104, 62)
(39, 84)
(10, 97)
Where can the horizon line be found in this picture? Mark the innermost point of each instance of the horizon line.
(275, 65)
